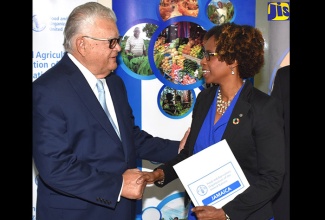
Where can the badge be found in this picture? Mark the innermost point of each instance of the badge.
(235, 121)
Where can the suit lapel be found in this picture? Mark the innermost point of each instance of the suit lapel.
(117, 95)
(239, 113)
(200, 114)
(87, 96)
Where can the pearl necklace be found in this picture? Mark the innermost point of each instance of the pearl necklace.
(222, 105)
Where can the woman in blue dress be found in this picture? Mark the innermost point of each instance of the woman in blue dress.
(248, 119)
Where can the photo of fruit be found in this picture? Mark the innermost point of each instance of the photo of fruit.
(178, 52)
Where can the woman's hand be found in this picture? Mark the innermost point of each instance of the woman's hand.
(183, 141)
(151, 177)
(209, 213)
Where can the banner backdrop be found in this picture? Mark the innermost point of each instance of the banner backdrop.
(163, 84)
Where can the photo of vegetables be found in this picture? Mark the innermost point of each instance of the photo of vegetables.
(178, 52)
(220, 11)
(138, 64)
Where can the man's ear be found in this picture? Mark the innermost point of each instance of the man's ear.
(81, 46)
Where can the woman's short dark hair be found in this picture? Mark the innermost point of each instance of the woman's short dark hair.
(243, 43)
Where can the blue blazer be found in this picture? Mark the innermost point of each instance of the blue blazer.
(257, 142)
(79, 157)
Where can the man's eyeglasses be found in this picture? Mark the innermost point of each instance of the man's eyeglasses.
(208, 55)
(112, 42)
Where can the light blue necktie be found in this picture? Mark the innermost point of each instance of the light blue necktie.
(102, 100)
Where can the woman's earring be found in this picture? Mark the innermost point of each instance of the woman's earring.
(232, 69)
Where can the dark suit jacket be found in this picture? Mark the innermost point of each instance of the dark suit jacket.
(257, 142)
(79, 156)
(281, 90)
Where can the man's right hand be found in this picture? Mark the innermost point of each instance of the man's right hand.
(132, 188)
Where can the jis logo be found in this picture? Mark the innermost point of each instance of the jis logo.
(278, 11)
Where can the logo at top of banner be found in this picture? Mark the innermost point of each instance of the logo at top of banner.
(38, 24)
(278, 11)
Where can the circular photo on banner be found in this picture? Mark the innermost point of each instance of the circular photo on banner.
(151, 213)
(134, 53)
(173, 8)
(220, 11)
(178, 51)
(172, 207)
(175, 103)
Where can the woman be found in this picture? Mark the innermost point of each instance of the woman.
(247, 118)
